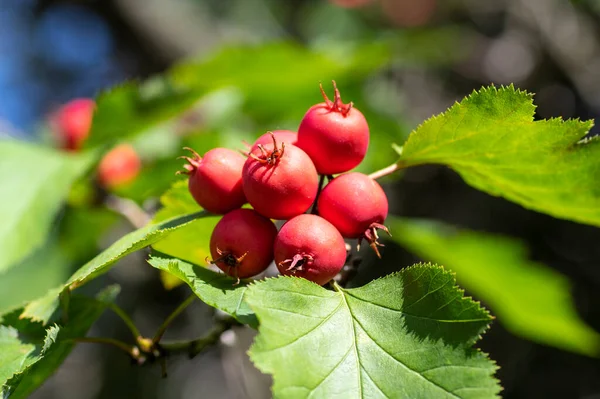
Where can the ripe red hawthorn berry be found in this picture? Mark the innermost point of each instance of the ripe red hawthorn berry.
(282, 136)
(119, 166)
(215, 181)
(280, 182)
(242, 243)
(72, 123)
(334, 135)
(309, 246)
(356, 205)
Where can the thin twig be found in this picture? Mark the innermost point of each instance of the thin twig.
(129, 209)
(196, 346)
(128, 321)
(163, 327)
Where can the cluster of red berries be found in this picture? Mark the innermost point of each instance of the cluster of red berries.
(281, 177)
(72, 124)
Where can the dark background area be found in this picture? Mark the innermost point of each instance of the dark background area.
(53, 51)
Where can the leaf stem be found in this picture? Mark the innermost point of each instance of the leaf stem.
(163, 327)
(196, 346)
(321, 182)
(126, 319)
(385, 171)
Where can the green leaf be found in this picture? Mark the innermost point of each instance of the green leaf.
(14, 353)
(43, 308)
(491, 140)
(35, 181)
(275, 75)
(134, 107)
(190, 243)
(530, 299)
(215, 289)
(256, 71)
(407, 335)
(52, 264)
(29, 355)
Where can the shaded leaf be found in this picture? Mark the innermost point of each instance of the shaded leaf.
(530, 299)
(35, 181)
(215, 289)
(132, 107)
(43, 308)
(407, 335)
(492, 141)
(41, 352)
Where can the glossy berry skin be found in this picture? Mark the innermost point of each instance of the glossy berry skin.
(334, 135)
(215, 180)
(310, 247)
(356, 205)
(286, 137)
(242, 243)
(119, 166)
(72, 123)
(280, 182)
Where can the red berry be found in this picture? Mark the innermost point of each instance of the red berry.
(119, 166)
(335, 135)
(242, 243)
(216, 180)
(282, 136)
(356, 205)
(72, 123)
(279, 182)
(309, 246)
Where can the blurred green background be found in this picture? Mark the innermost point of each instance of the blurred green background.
(217, 72)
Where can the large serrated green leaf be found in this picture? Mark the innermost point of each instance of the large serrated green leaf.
(35, 181)
(215, 289)
(492, 141)
(29, 354)
(42, 308)
(530, 300)
(407, 335)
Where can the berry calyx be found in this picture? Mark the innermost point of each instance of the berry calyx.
(286, 137)
(241, 244)
(310, 247)
(335, 135)
(357, 206)
(280, 182)
(119, 167)
(215, 181)
(72, 123)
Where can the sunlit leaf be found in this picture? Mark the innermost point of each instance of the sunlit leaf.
(407, 335)
(492, 141)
